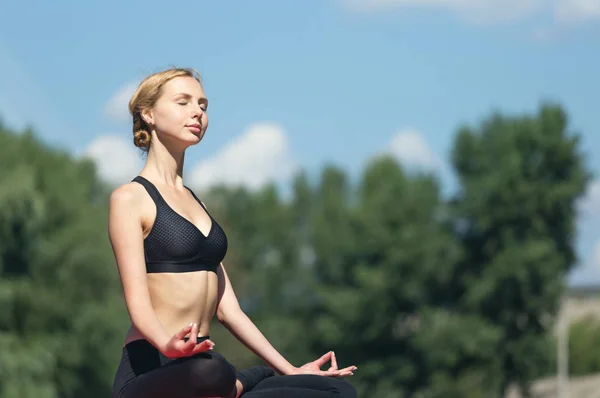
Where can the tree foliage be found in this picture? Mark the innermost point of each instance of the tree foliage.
(520, 180)
(62, 314)
(430, 296)
(584, 340)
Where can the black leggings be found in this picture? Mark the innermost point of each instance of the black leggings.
(145, 373)
(302, 386)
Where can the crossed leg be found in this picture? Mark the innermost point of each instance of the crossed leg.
(301, 386)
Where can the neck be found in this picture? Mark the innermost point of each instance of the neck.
(165, 165)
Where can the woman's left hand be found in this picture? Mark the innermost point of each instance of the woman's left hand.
(314, 367)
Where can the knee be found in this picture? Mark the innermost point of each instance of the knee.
(344, 388)
(212, 377)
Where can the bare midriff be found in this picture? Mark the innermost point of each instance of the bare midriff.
(179, 299)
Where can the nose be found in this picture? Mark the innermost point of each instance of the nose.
(197, 112)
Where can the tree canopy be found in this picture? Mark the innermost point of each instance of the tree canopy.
(430, 296)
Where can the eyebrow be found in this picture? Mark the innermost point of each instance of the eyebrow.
(189, 97)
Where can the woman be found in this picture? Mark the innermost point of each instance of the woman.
(169, 253)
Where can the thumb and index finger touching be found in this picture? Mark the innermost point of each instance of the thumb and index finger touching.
(330, 356)
(324, 359)
(334, 369)
(192, 343)
(184, 332)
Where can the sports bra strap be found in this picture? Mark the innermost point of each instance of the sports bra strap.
(152, 191)
(198, 200)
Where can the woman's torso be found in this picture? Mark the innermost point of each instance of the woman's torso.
(183, 246)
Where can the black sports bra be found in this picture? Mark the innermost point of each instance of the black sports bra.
(174, 244)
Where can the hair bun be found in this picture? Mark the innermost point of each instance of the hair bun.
(141, 139)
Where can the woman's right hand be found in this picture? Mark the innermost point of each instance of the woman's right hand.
(177, 347)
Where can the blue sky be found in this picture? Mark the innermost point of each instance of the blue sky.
(306, 82)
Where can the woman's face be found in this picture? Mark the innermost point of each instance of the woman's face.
(179, 116)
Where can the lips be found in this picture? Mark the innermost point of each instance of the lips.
(196, 128)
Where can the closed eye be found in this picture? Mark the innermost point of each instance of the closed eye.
(185, 98)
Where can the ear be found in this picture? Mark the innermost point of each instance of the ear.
(147, 116)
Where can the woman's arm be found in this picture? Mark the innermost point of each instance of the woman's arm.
(126, 237)
(237, 322)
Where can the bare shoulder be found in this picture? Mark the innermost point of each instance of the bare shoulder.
(128, 196)
(128, 204)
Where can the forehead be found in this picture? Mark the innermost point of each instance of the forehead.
(183, 85)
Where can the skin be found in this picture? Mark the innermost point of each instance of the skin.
(167, 307)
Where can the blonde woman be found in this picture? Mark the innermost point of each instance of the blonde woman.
(169, 252)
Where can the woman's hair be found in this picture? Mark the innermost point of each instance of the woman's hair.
(145, 97)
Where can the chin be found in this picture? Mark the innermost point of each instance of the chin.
(194, 141)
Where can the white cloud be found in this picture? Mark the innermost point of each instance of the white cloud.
(117, 159)
(411, 149)
(543, 34)
(117, 108)
(260, 155)
(589, 205)
(492, 11)
(572, 11)
(596, 256)
(477, 11)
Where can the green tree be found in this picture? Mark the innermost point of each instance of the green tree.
(520, 178)
(584, 340)
(62, 321)
(382, 256)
